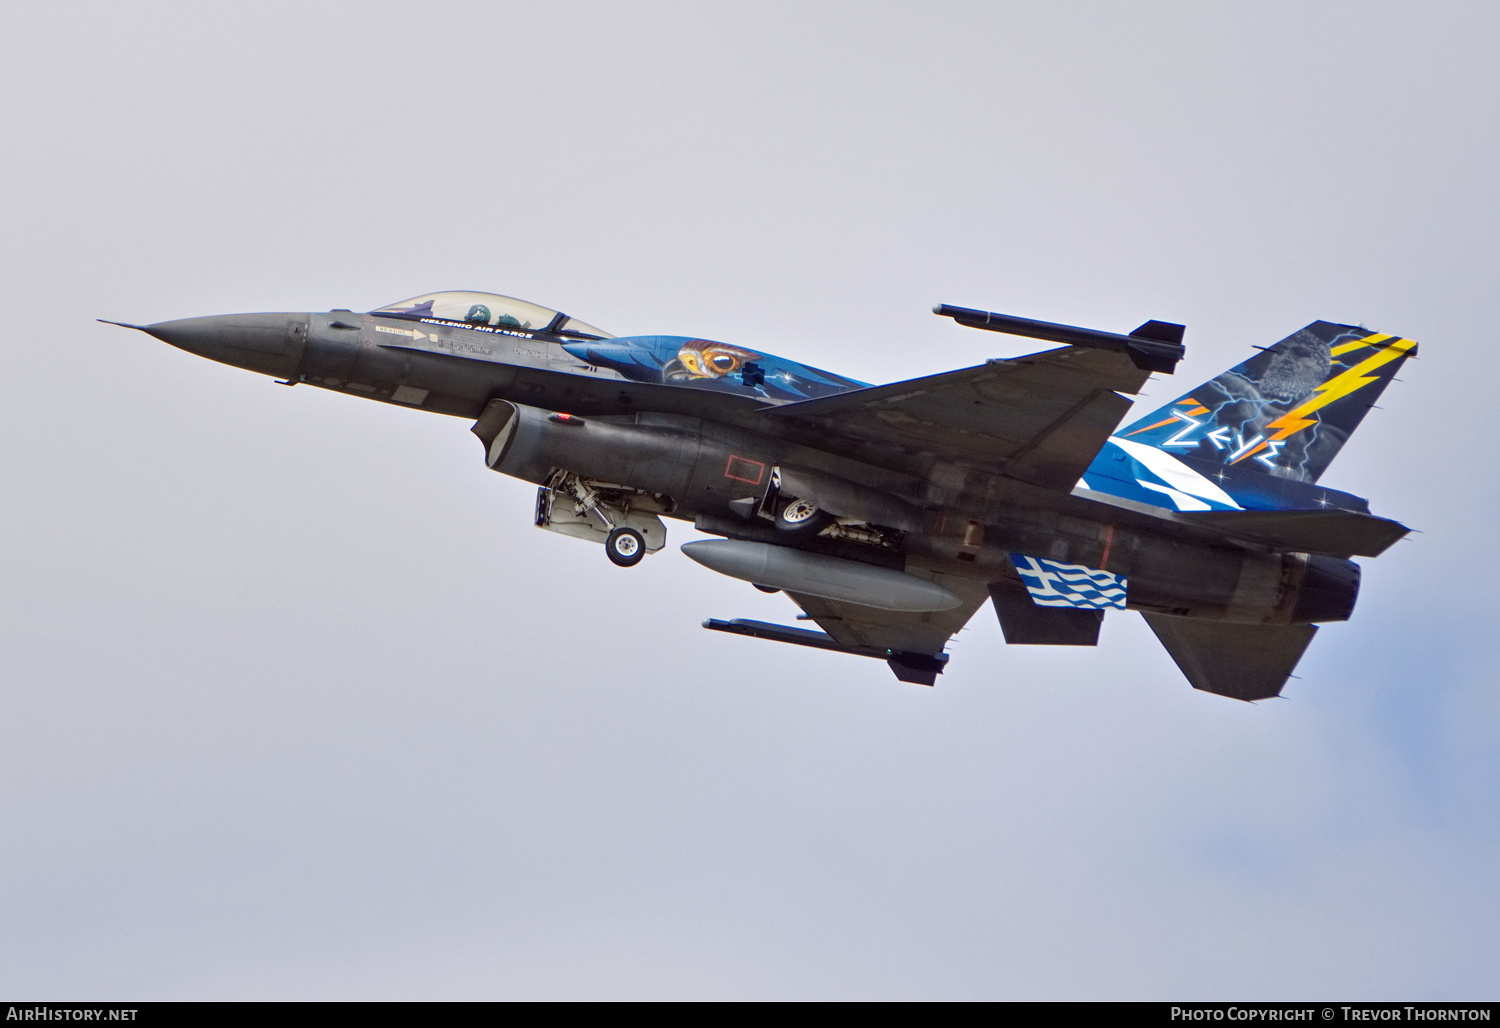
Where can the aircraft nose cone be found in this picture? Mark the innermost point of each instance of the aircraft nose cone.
(269, 343)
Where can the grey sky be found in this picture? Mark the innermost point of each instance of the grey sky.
(294, 703)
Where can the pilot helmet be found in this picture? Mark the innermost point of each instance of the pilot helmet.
(478, 314)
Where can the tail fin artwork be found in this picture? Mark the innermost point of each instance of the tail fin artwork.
(1288, 409)
(1259, 435)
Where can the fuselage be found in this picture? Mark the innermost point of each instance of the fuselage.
(677, 419)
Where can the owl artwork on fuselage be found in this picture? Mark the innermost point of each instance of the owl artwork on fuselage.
(701, 364)
(699, 358)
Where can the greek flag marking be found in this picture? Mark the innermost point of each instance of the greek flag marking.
(1053, 584)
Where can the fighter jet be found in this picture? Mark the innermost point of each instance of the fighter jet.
(890, 513)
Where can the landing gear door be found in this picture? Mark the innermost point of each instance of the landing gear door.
(558, 511)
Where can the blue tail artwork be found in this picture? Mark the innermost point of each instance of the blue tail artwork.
(1259, 436)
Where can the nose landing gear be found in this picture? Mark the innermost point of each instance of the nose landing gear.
(625, 520)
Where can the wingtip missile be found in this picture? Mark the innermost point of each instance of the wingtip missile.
(1155, 346)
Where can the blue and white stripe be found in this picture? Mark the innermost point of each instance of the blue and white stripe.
(1135, 471)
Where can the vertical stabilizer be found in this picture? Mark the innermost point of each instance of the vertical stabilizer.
(1284, 412)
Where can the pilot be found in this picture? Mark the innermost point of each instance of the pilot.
(478, 314)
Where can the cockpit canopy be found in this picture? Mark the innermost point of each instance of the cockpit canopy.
(494, 310)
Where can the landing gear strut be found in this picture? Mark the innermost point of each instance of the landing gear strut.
(627, 521)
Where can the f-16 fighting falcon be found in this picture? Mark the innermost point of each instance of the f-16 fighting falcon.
(891, 513)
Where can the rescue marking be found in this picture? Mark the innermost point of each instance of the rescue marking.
(739, 468)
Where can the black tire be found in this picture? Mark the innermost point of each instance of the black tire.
(798, 517)
(625, 547)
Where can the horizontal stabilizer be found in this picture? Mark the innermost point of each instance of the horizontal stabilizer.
(1338, 533)
(1024, 623)
(1243, 662)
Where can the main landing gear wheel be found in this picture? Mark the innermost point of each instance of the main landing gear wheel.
(625, 547)
(799, 517)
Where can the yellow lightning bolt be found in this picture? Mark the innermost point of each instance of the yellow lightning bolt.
(1335, 388)
(1343, 348)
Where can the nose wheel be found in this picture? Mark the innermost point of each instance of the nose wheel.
(625, 547)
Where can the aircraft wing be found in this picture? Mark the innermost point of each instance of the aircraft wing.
(869, 629)
(1040, 418)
